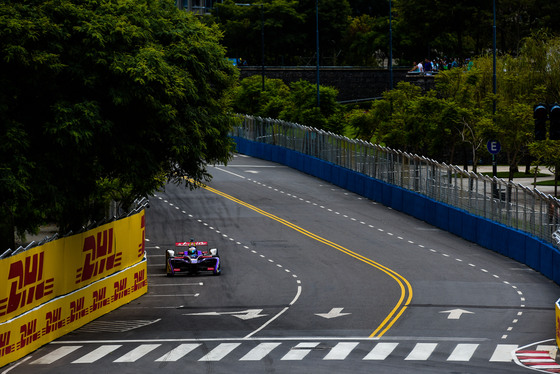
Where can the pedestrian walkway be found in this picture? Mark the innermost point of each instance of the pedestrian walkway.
(243, 350)
(525, 181)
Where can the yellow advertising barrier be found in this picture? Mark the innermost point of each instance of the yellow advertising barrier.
(557, 309)
(50, 290)
(43, 273)
(59, 316)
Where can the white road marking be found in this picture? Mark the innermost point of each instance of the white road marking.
(333, 313)
(96, 354)
(298, 293)
(462, 352)
(178, 353)
(341, 351)
(421, 352)
(220, 352)
(56, 355)
(259, 352)
(381, 351)
(299, 351)
(219, 349)
(502, 353)
(137, 353)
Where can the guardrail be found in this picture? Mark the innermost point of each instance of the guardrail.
(508, 203)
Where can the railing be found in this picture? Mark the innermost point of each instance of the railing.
(508, 203)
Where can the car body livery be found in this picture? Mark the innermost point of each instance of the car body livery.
(192, 258)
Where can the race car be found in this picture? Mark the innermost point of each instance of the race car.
(192, 258)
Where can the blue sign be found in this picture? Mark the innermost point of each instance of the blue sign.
(493, 146)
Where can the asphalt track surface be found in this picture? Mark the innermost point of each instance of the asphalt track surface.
(315, 280)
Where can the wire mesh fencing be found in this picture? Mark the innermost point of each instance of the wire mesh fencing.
(505, 202)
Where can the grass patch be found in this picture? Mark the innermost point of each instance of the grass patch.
(549, 182)
(505, 175)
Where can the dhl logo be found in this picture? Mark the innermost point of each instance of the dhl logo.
(141, 246)
(27, 283)
(29, 333)
(140, 280)
(54, 321)
(120, 289)
(100, 299)
(5, 346)
(100, 256)
(77, 310)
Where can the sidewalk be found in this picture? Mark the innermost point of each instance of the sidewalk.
(527, 182)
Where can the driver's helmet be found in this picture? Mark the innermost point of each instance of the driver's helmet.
(192, 251)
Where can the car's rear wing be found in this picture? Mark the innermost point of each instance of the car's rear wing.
(189, 244)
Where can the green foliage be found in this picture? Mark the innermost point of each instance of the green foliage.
(289, 30)
(296, 103)
(364, 124)
(546, 152)
(539, 63)
(356, 32)
(301, 107)
(242, 25)
(411, 121)
(132, 93)
(366, 41)
(250, 98)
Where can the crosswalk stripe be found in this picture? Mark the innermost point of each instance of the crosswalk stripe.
(220, 352)
(462, 352)
(96, 354)
(421, 352)
(299, 351)
(259, 352)
(255, 351)
(381, 351)
(178, 352)
(341, 351)
(502, 353)
(56, 355)
(137, 353)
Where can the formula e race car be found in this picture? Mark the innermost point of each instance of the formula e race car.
(192, 258)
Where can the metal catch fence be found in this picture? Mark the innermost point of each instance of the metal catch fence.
(508, 203)
(115, 214)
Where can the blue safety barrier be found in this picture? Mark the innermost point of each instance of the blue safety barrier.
(492, 235)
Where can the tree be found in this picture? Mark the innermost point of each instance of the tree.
(470, 94)
(301, 107)
(289, 29)
(242, 30)
(366, 41)
(547, 153)
(251, 99)
(454, 28)
(365, 124)
(105, 96)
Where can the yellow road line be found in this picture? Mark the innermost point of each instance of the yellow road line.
(405, 287)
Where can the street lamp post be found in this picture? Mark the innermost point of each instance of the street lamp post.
(262, 37)
(390, 48)
(317, 42)
(494, 79)
(262, 45)
(494, 56)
